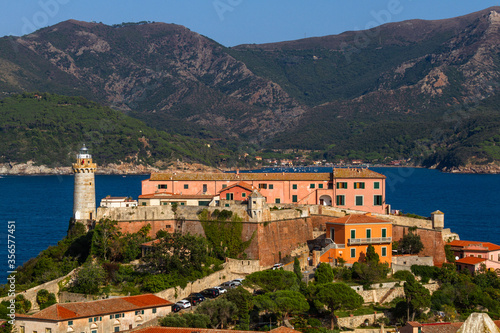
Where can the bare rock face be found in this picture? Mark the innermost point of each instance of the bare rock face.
(479, 322)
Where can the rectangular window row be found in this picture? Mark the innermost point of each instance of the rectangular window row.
(368, 233)
(357, 185)
(359, 200)
(384, 252)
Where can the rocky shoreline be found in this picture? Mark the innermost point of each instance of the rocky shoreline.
(30, 169)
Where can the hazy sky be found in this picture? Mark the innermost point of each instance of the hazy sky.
(233, 22)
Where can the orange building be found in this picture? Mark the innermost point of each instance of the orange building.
(357, 189)
(239, 191)
(351, 236)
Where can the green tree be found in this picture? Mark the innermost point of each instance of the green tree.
(89, 278)
(289, 302)
(296, 268)
(106, 234)
(323, 274)
(417, 297)
(272, 280)
(372, 257)
(220, 311)
(243, 301)
(411, 242)
(337, 296)
(193, 320)
(22, 304)
(45, 299)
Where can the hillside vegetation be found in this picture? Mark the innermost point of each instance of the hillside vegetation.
(49, 129)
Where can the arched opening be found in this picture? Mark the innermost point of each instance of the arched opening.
(325, 200)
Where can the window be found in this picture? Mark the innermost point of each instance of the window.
(376, 185)
(205, 188)
(359, 200)
(368, 233)
(353, 253)
(93, 331)
(117, 328)
(143, 203)
(243, 195)
(264, 186)
(95, 319)
(384, 232)
(229, 196)
(137, 312)
(70, 322)
(340, 200)
(294, 198)
(154, 310)
(164, 186)
(320, 185)
(277, 200)
(353, 233)
(377, 200)
(312, 185)
(384, 251)
(186, 186)
(294, 186)
(341, 185)
(224, 185)
(271, 186)
(90, 320)
(359, 185)
(111, 316)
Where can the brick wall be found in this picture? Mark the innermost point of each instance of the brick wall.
(432, 240)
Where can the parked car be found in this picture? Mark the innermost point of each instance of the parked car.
(196, 297)
(184, 304)
(238, 282)
(176, 308)
(228, 285)
(221, 290)
(277, 266)
(210, 293)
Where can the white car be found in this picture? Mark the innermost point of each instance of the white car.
(238, 282)
(277, 266)
(184, 304)
(221, 290)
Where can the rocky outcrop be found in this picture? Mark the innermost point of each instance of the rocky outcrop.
(491, 168)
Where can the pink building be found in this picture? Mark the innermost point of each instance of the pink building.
(471, 254)
(357, 189)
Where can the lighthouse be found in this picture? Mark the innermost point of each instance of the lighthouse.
(84, 207)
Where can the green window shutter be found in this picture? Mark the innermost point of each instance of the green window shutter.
(353, 253)
(359, 200)
(294, 186)
(271, 186)
(277, 200)
(294, 198)
(320, 185)
(384, 252)
(376, 185)
(353, 233)
(384, 232)
(228, 195)
(368, 233)
(312, 185)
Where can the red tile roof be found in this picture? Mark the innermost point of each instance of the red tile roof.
(465, 243)
(60, 312)
(276, 176)
(244, 185)
(357, 219)
(470, 260)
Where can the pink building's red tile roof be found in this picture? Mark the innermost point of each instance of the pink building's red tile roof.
(470, 260)
(66, 311)
(284, 176)
(465, 243)
(244, 185)
(357, 219)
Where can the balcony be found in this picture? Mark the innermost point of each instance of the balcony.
(362, 241)
(332, 246)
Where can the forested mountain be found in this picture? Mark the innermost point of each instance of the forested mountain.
(425, 90)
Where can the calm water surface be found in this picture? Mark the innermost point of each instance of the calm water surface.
(42, 205)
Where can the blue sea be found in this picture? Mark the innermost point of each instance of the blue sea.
(41, 206)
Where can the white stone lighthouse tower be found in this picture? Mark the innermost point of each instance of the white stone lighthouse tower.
(84, 208)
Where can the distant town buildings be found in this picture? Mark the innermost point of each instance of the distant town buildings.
(472, 254)
(110, 202)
